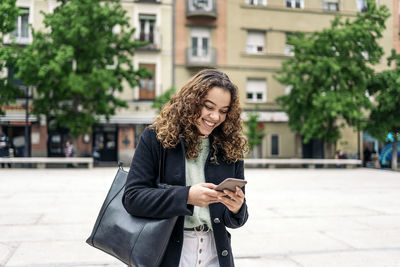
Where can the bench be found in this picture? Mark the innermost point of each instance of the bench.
(311, 163)
(41, 162)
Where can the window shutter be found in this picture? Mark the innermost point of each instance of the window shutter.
(256, 38)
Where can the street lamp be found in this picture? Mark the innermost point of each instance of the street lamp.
(26, 150)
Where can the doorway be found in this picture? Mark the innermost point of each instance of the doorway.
(105, 140)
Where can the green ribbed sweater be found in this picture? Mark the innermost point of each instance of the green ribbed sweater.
(195, 175)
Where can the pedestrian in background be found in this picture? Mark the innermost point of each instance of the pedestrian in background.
(69, 152)
(199, 136)
(4, 147)
(69, 149)
(19, 145)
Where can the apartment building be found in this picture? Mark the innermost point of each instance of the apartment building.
(113, 140)
(244, 38)
(396, 25)
(200, 36)
(247, 40)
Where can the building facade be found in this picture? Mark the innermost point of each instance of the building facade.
(111, 140)
(247, 40)
(244, 38)
(396, 25)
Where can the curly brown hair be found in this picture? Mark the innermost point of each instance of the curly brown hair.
(179, 116)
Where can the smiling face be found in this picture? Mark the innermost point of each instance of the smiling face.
(215, 108)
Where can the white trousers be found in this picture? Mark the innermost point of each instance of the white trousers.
(198, 250)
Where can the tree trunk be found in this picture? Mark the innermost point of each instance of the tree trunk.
(394, 154)
(74, 141)
(329, 150)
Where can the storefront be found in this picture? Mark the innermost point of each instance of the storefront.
(105, 140)
(13, 125)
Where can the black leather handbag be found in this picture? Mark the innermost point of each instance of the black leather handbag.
(136, 241)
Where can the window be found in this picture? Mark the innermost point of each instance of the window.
(295, 3)
(288, 89)
(274, 145)
(361, 6)
(289, 49)
(147, 85)
(257, 2)
(200, 39)
(147, 28)
(330, 6)
(365, 55)
(202, 5)
(21, 31)
(200, 53)
(256, 90)
(11, 76)
(200, 46)
(255, 42)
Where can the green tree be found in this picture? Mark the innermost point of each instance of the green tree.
(8, 53)
(254, 129)
(163, 99)
(329, 73)
(385, 115)
(79, 64)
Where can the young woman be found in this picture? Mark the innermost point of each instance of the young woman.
(198, 136)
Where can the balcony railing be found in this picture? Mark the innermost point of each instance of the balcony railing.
(149, 1)
(153, 40)
(200, 58)
(201, 8)
(21, 40)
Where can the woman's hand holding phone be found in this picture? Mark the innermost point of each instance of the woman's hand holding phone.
(232, 200)
(204, 194)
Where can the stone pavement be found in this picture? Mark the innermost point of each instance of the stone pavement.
(298, 217)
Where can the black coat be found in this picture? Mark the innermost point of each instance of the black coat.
(141, 198)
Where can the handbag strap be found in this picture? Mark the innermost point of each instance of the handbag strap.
(161, 161)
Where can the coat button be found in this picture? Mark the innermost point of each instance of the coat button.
(216, 220)
(224, 253)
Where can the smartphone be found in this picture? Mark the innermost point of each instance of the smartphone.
(230, 184)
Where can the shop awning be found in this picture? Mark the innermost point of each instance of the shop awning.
(18, 117)
(268, 116)
(129, 119)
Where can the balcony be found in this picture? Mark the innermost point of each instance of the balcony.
(201, 58)
(153, 40)
(148, 1)
(201, 8)
(18, 39)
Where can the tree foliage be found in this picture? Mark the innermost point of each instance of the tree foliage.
(8, 53)
(8, 15)
(163, 99)
(79, 63)
(255, 130)
(385, 114)
(329, 73)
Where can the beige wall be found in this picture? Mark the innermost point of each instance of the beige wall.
(287, 139)
(387, 39)
(396, 26)
(183, 74)
(348, 142)
(161, 58)
(396, 17)
(276, 20)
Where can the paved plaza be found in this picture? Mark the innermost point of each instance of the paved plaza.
(298, 217)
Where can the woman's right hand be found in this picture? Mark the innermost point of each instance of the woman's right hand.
(202, 194)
